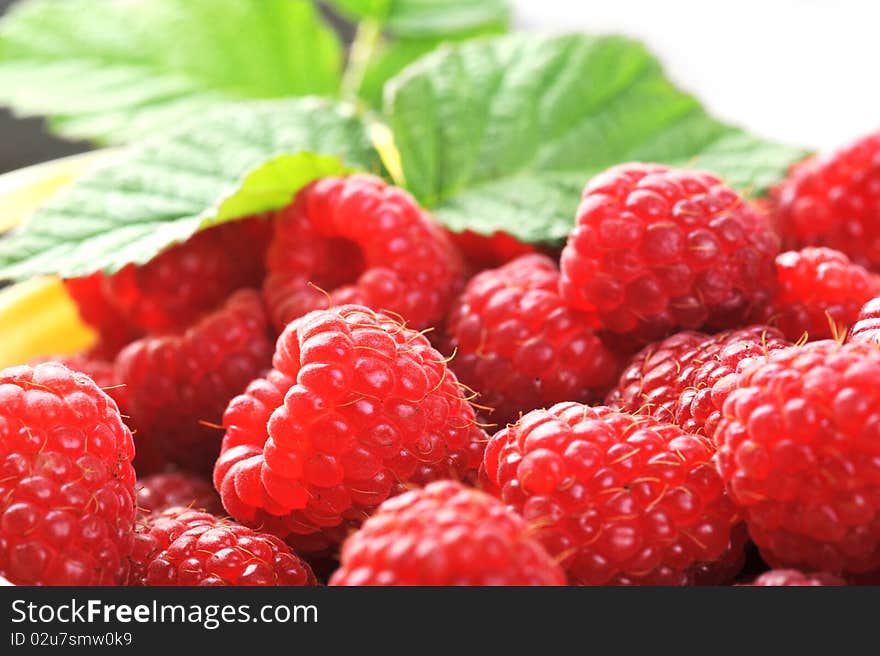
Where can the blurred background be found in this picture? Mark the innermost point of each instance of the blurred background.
(25, 141)
(800, 71)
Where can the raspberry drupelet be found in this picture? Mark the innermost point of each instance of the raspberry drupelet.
(360, 240)
(103, 372)
(657, 249)
(357, 409)
(181, 546)
(178, 385)
(445, 534)
(616, 498)
(867, 324)
(159, 492)
(67, 507)
(517, 343)
(685, 378)
(834, 200)
(794, 578)
(797, 448)
(820, 293)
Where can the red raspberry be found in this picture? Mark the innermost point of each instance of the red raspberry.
(657, 248)
(725, 570)
(835, 201)
(685, 378)
(163, 491)
(866, 327)
(178, 385)
(66, 481)
(96, 310)
(369, 407)
(178, 286)
(792, 577)
(445, 534)
(181, 546)
(818, 286)
(103, 372)
(615, 498)
(520, 347)
(362, 241)
(797, 447)
(489, 251)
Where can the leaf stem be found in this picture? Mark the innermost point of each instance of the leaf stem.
(366, 39)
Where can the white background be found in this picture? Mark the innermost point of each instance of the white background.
(802, 71)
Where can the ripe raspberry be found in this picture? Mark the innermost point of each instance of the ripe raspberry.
(445, 534)
(657, 248)
(616, 498)
(834, 201)
(489, 251)
(181, 284)
(818, 286)
(518, 344)
(102, 372)
(685, 378)
(369, 407)
(866, 327)
(160, 492)
(797, 448)
(363, 242)
(181, 546)
(96, 310)
(66, 480)
(730, 565)
(177, 383)
(792, 577)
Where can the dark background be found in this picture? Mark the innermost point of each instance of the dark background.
(25, 141)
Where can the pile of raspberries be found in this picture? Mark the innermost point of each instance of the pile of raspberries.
(343, 392)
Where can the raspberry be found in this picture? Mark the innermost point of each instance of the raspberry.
(96, 310)
(866, 327)
(181, 546)
(818, 286)
(363, 242)
(834, 201)
(445, 534)
(792, 577)
(657, 248)
(489, 251)
(615, 498)
(103, 372)
(369, 408)
(162, 491)
(731, 563)
(178, 385)
(685, 378)
(797, 448)
(66, 481)
(178, 286)
(518, 344)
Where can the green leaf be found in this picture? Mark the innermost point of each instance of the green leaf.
(358, 10)
(411, 29)
(241, 160)
(429, 19)
(113, 70)
(502, 134)
(388, 60)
